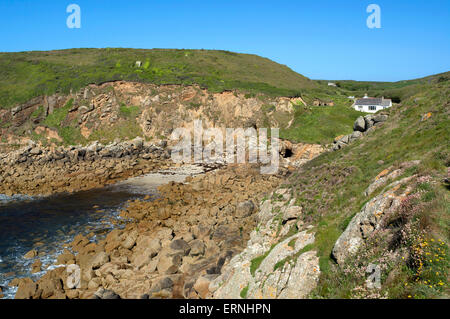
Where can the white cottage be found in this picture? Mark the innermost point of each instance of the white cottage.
(372, 105)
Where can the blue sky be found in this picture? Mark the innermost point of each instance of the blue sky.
(318, 38)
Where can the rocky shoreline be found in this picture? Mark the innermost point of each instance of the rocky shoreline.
(173, 247)
(36, 170)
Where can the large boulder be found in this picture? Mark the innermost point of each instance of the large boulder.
(99, 260)
(181, 246)
(245, 209)
(201, 286)
(142, 257)
(50, 287)
(380, 118)
(146, 248)
(26, 290)
(130, 240)
(369, 121)
(355, 135)
(65, 258)
(36, 266)
(360, 124)
(102, 293)
(368, 220)
(168, 264)
(197, 247)
(31, 254)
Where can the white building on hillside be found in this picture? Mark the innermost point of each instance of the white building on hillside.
(371, 104)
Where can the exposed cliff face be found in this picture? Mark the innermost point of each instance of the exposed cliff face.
(119, 112)
(125, 110)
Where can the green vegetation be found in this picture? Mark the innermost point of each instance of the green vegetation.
(24, 75)
(331, 190)
(244, 292)
(129, 112)
(55, 119)
(70, 134)
(397, 91)
(321, 124)
(125, 129)
(256, 262)
(38, 112)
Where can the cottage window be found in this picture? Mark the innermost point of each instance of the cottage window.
(372, 107)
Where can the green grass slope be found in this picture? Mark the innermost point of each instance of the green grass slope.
(24, 75)
(331, 190)
(321, 124)
(397, 91)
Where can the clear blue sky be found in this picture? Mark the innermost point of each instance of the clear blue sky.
(318, 38)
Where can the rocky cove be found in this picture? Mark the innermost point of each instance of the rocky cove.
(211, 231)
(143, 249)
(226, 233)
(101, 206)
(36, 229)
(138, 226)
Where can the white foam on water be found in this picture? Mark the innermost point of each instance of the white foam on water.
(9, 293)
(52, 267)
(6, 199)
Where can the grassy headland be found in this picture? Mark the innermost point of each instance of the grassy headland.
(24, 75)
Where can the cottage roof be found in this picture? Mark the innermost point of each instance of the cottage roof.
(373, 101)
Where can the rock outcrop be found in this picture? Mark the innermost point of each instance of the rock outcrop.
(173, 247)
(375, 211)
(34, 170)
(154, 110)
(274, 264)
(362, 126)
